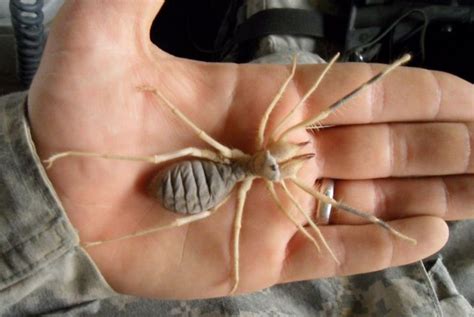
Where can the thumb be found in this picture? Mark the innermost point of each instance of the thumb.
(104, 23)
(87, 35)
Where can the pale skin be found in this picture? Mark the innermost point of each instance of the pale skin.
(73, 105)
(275, 160)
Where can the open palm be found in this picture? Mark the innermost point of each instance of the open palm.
(85, 97)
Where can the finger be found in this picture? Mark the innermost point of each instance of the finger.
(363, 249)
(97, 23)
(449, 197)
(384, 150)
(407, 94)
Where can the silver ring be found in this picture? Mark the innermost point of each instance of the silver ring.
(323, 212)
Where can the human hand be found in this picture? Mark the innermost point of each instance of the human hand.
(415, 124)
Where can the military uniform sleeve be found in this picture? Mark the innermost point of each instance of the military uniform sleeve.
(42, 267)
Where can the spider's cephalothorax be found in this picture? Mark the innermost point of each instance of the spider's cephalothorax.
(278, 161)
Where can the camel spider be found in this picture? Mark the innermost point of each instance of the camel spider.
(196, 188)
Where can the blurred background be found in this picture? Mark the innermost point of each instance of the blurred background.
(439, 33)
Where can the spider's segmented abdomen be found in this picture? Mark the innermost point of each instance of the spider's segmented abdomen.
(193, 186)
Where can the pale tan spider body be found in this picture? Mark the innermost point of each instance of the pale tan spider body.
(197, 187)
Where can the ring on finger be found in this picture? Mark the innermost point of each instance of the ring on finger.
(323, 211)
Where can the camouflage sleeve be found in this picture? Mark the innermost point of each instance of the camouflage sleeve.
(42, 269)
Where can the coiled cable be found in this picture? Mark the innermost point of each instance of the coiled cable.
(27, 21)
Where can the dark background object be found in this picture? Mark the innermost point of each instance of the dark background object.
(194, 29)
(188, 28)
(439, 34)
(27, 21)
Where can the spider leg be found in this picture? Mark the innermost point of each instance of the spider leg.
(271, 188)
(349, 209)
(306, 96)
(266, 115)
(310, 221)
(329, 110)
(242, 195)
(176, 223)
(224, 150)
(155, 159)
